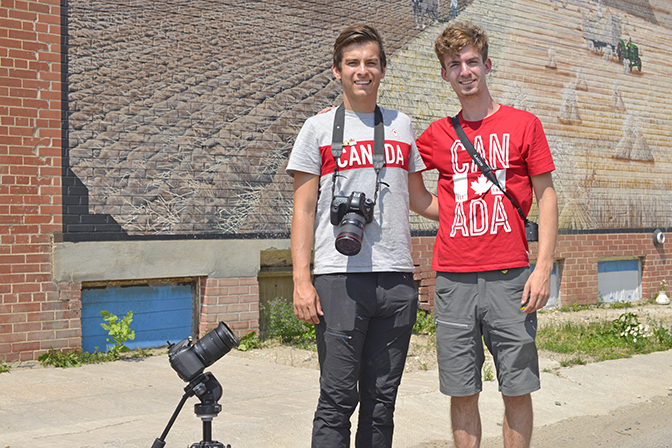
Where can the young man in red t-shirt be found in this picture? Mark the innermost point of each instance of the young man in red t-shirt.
(484, 289)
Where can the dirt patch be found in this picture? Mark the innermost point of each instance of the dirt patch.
(421, 354)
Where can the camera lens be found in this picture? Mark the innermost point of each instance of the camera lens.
(351, 231)
(215, 344)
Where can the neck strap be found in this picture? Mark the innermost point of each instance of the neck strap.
(378, 144)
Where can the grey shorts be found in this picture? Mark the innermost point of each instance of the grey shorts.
(472, 308)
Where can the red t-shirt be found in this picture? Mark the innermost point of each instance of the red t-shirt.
(479, 228)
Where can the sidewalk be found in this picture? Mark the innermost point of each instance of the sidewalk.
(128, 403)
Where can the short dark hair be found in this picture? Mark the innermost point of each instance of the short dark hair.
(458, 36)
(358, 34)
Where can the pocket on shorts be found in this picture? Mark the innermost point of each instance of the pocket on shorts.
(452, 333)
(455, 325)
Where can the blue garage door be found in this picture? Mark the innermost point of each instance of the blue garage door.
(619, 281)
(160, 313)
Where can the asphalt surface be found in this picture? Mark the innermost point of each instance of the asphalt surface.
(128, 403)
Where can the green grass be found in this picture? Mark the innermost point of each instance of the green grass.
(600, 341)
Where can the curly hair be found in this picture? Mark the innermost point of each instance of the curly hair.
(458, 36)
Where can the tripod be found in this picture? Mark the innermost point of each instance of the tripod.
(206, 387)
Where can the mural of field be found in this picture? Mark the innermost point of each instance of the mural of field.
(182, 113)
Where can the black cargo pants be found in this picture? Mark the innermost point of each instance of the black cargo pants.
(362, 343)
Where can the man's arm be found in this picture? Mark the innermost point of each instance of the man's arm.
(422, 201)
(306, 302)
(538, 286)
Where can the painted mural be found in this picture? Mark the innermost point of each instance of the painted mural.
(182, 114)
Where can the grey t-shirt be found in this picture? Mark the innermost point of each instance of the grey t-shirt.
(386, 244)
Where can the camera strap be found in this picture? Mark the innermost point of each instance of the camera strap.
(482, 164)
(378, 156)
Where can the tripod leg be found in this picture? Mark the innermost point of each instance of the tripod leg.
(160, 442)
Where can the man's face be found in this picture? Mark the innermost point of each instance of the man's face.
(466, 72)
(360, 73)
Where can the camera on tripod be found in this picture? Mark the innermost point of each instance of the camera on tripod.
(189, 360)
(351, 214)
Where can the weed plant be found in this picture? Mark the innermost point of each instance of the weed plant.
(119, 330)
(4, 368)
(249, 342)
(73, 358)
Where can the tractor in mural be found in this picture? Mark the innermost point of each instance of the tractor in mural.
(603, 33)
(629, 51)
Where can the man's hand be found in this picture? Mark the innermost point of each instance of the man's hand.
(538, 287)
(537, 290)
(307, 303)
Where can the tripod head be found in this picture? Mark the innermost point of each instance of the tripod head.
(206, 387)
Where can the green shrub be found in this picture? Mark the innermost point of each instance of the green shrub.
(424, 323)
(284, 325)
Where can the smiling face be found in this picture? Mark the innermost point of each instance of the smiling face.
(360, 74)
(466, 72)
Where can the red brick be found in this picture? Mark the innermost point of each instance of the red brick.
(23, 55)
(39, 7)
(11, 24)
(22, 15)
(10, 43)
(14, 338)
(27, 74)
(237, 290)
(49, 18)
(25, 346)
(27, 327)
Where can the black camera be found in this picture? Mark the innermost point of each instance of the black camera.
(351, 214)
(531, 231)
(189, 359)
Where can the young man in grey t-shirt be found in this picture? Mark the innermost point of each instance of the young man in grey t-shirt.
(363, 304)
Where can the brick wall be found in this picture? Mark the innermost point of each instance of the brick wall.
(423, 248)
(232, 300)
(577, 257)
(33, 314)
